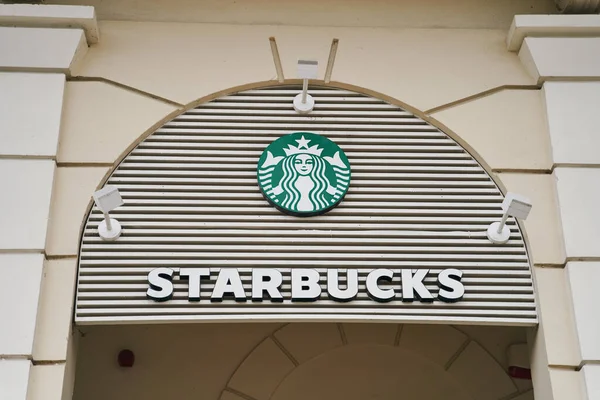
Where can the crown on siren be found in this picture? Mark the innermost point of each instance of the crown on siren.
(303, 148)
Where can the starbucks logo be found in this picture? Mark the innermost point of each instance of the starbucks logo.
(303, 174)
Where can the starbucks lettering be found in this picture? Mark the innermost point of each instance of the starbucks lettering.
(381, 285)
(304, 174)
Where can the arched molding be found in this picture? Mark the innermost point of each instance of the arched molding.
(293, 346)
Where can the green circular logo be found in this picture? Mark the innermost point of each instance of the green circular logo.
(303, 174)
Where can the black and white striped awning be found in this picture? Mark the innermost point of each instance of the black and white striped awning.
(417, 200)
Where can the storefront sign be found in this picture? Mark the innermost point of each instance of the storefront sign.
(381, 285)
(303, 174)
(211, 229)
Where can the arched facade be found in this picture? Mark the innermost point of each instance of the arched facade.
(417, 201)
(515, 114)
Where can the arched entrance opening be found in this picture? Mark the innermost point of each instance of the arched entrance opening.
(270, 361)
(355, 361)
(418, 202)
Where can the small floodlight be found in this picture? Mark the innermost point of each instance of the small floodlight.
(107, 199)
(304, 102)
(519, 365)
(514, 205)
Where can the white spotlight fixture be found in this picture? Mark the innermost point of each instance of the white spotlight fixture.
(514, 205)
(107, 199)
(304, 102)
(519, 365)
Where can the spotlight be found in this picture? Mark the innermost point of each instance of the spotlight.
(519, 366)
(514, 205)
(126, 358)
(107, 199)
(304, 102)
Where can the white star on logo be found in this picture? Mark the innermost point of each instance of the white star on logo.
(302, 142)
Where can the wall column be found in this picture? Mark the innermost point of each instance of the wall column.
(40, 45)
(563, 54)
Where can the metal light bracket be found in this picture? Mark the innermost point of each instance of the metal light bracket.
(304, 102)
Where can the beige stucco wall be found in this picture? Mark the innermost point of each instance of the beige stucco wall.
(144, 73)
(169, 60)
(166, 65)
(362, 13)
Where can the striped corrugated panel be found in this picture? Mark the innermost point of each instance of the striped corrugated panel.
(416, 200)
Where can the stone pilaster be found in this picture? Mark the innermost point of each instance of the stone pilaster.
(563, 54)
(51, 41)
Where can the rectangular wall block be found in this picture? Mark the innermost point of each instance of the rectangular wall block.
(591, 380)
(549, 25)
(584, 280)
(14, 376)
(566, 385)
(578, 198)
(21, 276)
(556, 314)
(55, 311)
(573, 120)
(25, 203)
(554, 58)
(46, 382)
(52, 16)
(40, 49)
(30, 112)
